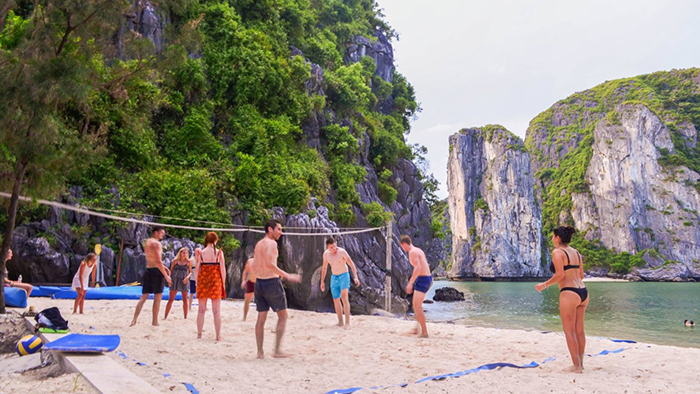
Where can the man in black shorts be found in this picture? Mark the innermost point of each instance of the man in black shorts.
(155, 276)
(269, 292)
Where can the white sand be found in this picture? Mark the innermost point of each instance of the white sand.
(374, 351)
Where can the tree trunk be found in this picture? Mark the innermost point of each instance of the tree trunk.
(20, 170)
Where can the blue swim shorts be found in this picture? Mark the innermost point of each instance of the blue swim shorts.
(339, 283)
(423, 283)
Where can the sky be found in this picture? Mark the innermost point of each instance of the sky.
(482, 62)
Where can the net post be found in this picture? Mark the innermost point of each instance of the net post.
(387, 286)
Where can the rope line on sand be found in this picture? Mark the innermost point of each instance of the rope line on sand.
(485, 367)
(139, 221)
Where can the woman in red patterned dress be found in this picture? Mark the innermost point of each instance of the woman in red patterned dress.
(211, 282)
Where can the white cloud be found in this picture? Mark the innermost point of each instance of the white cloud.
(505, 61)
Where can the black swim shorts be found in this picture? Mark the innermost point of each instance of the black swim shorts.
(269, 293)
(153, 281)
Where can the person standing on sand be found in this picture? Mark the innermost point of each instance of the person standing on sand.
(339, 260)
(420, 281)
(155, 276)
(573, 295)
(180, 271)
(269, 292)
(80, 280)
(211, 282)
(15, 283)
(248, 283)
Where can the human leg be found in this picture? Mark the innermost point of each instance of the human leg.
(216, 310)
(281, 325)
(139, 306)
(418, 297)
(200, 316)
(260, 332)
(580, 334)
(568, 303)
(246, 307)
(338, 311)
(82, 300)
(346, 306)
(185, 308)
(169, 305)
(156, 307)
(77, 300)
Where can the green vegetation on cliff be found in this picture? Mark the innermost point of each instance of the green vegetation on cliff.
(673, 96)
(212, 123)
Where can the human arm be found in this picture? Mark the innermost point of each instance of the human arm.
(80, 275)
(94, 275)
(581, 268)
(222, 265)
(558, 262)
(413, 259)
(349, 261)
(245, 274)
(324, 269)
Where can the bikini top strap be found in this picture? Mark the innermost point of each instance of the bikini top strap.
(567, 256)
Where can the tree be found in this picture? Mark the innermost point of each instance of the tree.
(51, 63)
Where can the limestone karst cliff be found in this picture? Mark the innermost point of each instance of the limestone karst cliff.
(620, 162)
(495, 217)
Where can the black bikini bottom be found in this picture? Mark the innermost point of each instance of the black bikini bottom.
(581, 291)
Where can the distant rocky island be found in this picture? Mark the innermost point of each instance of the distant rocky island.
(619, 162)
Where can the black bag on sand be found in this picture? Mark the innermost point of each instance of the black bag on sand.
(51, 318)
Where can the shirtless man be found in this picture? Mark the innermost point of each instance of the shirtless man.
(339, 260)
(153, 279)
(269, 292)
(248, 283)
(421, 279)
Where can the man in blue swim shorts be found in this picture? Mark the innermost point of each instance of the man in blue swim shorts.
(339, 260)
(420, 281)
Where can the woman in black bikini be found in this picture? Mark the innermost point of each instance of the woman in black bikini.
(567, 265)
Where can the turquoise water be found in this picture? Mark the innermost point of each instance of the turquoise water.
(645, 312)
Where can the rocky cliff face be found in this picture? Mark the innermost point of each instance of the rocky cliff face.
(635, 204)
(495, 218)
(56, 261)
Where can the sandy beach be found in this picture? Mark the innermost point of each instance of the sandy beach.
(375, 351)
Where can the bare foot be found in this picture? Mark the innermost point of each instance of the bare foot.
(155, 324)
(573, 369)
(199, 336)
(340, 324)
(133, 323)
(281, 355)
(261, 355)
(347, 325)
(423, 335)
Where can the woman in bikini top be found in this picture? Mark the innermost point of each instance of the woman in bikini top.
(567, 265)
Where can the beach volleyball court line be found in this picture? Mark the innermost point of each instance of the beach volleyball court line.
(485, 367)
(138, 221)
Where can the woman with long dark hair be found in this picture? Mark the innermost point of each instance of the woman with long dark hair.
(567, 265)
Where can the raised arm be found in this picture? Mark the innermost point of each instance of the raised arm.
(558, 261)
(349, 261)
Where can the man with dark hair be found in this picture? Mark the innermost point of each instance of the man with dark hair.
(269, 292)
(421, 278)
(155, 276)
(339, 260)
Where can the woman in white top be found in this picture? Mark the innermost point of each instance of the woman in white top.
(80, 280)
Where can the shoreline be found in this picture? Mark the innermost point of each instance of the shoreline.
(374, 351)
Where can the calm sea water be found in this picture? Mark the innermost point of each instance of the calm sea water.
(645, 312)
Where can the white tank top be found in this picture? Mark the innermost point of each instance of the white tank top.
(86, 274)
